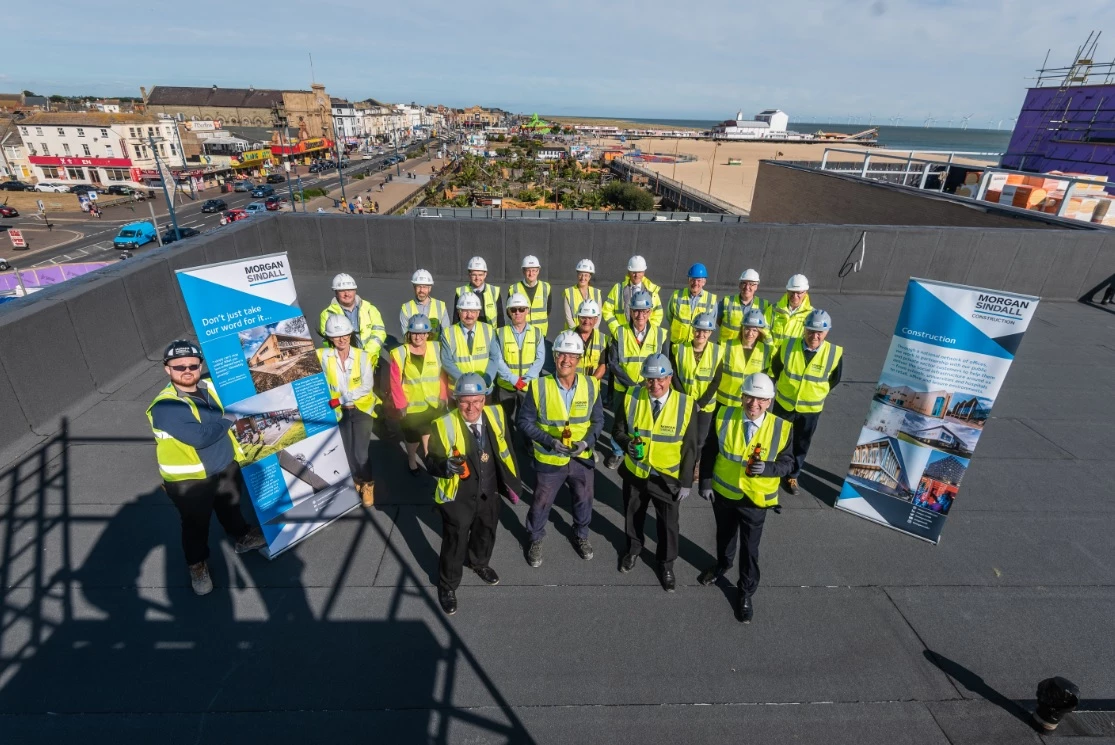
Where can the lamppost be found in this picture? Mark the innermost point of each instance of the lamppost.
(281, 123)
(162, 178)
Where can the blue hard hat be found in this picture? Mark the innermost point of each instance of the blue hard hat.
(698, 271)
(642, 300)
(705, 322)
(657, 366)
(470, 384)
(419, 323)
(755, 318)
(818, 320)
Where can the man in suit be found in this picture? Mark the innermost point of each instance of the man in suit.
(471, 458)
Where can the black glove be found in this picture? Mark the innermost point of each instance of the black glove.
(455, 468)
(561, 449)
(756, 468)
(631, 450)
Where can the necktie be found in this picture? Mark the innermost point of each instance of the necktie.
(749, 429)
(476, 433)
(655, 407)
(470, 341)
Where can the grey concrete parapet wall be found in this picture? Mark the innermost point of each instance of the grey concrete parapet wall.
(63, 348)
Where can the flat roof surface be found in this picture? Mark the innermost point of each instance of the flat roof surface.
(861, 634)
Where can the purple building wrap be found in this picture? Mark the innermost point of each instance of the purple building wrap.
(1070, 129)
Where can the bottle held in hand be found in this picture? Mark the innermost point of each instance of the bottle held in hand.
(756, 457)
(567, 437)
(459, 460)
(640, 447)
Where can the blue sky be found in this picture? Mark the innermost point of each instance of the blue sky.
(811, 58)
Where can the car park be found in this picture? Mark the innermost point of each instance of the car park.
(51, 187)
(134, 235)
(183, 233)
(263, 190)
(236, 214)
(276, 178)
(6, 211)
(214, 205)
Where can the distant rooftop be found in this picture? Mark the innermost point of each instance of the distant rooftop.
(91, 118)
(246, 98)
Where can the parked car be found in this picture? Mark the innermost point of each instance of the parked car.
(120, 189)
(16, 186)
(275, 203)
(255, 208)
(236, 214)
(243, 186)
(4, 265)
(48, 186)
(276, 178)
(134, 235)
(263, 190)
(183, 233)
(82, 189)
(6, 211)
(214, 205)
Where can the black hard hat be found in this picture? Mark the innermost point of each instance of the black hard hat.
(181, 348)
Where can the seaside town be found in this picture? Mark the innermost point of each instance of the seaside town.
(472, 419)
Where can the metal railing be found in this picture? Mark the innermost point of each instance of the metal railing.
(495, 213)
(715, 205)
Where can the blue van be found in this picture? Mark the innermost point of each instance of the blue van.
(134, 235)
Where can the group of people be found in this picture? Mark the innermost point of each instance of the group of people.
(356, 206)
(733, 417)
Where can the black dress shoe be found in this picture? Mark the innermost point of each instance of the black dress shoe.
(792, 486)
(448, 600)
(710, 575)
(487, 575)
(669, 584)
(628, 563)
(746, 610)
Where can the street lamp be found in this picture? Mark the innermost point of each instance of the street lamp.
(162, 178)
(281, 123)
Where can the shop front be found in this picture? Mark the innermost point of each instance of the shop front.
(306, 151)
(252, 163)
(98, 171)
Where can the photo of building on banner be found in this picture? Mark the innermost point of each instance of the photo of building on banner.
(948, 358)
(261, 357)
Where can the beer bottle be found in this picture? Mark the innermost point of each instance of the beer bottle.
(567, 436)
(640, 448)
(756, 456)
(459, 460)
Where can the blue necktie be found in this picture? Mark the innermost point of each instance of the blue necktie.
(749, 429)
(655, 407)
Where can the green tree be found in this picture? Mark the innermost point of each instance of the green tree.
(627, 196)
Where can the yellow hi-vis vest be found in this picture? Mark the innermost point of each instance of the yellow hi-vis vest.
(732, 312)
(450, 431)
(488, 302)
(421, 388)
(594, 350)
(613, 313)
(177, 460)
(729, 474)
(519, 359)
(553, 417)
(369, 330)
(573, 298)
(539, 316)
(696, 376)
(738, 365)
(662, 437)
(803, 387)
(482, 339)
(436, 311)
(785, 323)
(682, 313)
(331, 364)
(632, 353)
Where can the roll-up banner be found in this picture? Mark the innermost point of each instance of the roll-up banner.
(951, 350)
(262, 360)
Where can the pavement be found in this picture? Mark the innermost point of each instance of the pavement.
(861, 634)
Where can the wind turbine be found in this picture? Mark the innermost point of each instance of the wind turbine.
(897, 121)
(964, 121)
(929, 120)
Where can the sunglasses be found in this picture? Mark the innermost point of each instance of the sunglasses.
(517, 310)
(184, 368)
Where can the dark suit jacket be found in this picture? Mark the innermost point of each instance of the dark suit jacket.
(690, 451)
(437, 460)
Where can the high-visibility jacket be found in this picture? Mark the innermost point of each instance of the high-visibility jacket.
(482, 339)
(594, 351)
(695, 376)
(803, 387)
(632, 353)
(573, 298)
(518, 358)
(738, 364)
(177, 460)
(785, 323)
(450, 431)
(682, 313)
(330, 363)
(488, 300)
(422, 388)
(539, 314)
(553, 416)
(662, 437)
(436, 312)
(732, 312)
(370, 331)
(729, 473)
(614, 312)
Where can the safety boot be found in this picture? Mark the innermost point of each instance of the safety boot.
(200, 579)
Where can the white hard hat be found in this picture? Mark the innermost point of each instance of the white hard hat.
(797, 283)
(749, 275)
(344, 282)
(657, 366)
(818, 320)
(477, 264)
(336, 325)
(531, 262)
(468, 301)
(586, 265)
(518, 300)
(758, 385)
(421, 277)
(636, 264)
(569, 342)
(588, 309)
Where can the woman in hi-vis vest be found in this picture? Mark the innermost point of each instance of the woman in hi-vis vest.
(417, 392)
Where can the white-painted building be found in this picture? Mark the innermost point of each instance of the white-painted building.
(347, 126)
(768, 124)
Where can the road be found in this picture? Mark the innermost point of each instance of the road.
(95, 241)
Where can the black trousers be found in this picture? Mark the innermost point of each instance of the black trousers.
(198, 499)
(804, 425)
(638, 494)
(739, 522)
(356, 435)
(468, 530)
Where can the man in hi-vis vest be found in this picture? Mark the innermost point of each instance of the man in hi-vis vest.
(473, 462)
(747, 452)
(197, 452)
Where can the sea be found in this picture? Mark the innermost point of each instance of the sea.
(953, 139)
